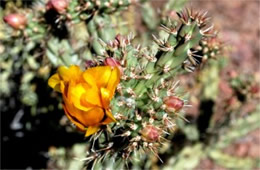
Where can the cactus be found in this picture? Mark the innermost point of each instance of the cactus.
(148, 101)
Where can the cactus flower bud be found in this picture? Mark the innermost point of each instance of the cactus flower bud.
(59, 5)
(254, 89)
(150, 133)
(17, 21)
(173, 104)
(114, 63)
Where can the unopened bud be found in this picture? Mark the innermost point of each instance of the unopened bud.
(173, 104)
(254, 89)
(58, 5)
(111, 62)
(17, 21)
(150, 133)
(114, 63)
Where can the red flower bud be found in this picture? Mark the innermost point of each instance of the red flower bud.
(254, 89)
(150, 133)
(59, 5)
(17, 21)
(173, 104)
(114, 63)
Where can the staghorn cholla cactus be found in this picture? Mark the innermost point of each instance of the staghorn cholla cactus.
(147, 101)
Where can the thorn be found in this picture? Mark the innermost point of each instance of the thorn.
(206, 30)
(156, 155)
(183, 118)
(176, 84)
(204, 14)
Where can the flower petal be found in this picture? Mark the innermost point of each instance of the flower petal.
(105, 97)
(78, 114)
(79, 94)
(93, 117)
(54, 82)
(113, 81)
(88, 118)
(71, 73)
(107, 92)
(106, 79)
(91, 130)
(89, 79)
(101, 75)
(109, 118)
(73, 120)
(91, 96)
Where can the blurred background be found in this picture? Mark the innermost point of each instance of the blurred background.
(224, 129)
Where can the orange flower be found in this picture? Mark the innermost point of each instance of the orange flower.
(87, 95)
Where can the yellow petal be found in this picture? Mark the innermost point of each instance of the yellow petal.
(105, 97)
(89, 79)
(74, 112)
(54, 82)
(101, 75)
(62, 87)
(110, 118)
(76, 95)
(91, 96)
(110, 115)
(88, 118)
(73, 120)
(93, 117)
(67, 74)
(91, 130)
(107, 92)
(113, 81)
(106, 79)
